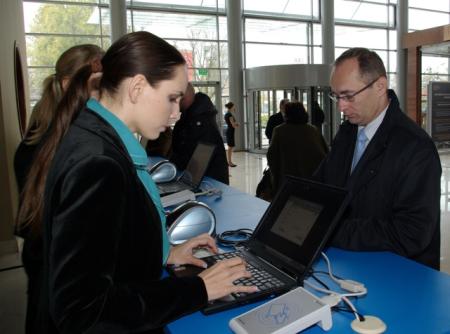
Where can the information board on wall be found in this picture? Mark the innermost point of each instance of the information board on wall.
(438, 113)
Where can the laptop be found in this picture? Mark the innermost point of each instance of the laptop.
(191, 178)
(289, 237)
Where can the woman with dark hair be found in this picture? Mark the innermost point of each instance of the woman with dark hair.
(103, 225)
(297, 148)
(43, 113)
(231, 125)
(44, 110)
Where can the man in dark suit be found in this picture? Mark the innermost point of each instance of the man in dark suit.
(387, 162)
(198, 124)
(275, 120)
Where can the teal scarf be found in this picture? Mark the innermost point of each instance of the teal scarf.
(139, 157)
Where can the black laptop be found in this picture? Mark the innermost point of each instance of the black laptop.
(284, 245)
(191, 178)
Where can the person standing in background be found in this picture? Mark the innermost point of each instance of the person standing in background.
(231, 125)
(296, 149)
(198, 124)
(275, 120)
(44, 112)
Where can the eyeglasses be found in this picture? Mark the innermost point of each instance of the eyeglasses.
(350, 97)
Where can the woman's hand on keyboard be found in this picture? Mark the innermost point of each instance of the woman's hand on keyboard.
(219, 278)
(183, 254)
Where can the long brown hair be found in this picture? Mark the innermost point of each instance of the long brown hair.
(134, 53)
(66, 66)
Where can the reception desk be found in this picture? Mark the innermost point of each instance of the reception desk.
(407, 296)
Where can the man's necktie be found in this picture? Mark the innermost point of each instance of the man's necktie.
(359, 147)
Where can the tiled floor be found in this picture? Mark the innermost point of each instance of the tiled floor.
(244, 177)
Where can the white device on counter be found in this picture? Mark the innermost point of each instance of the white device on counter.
(292, 312)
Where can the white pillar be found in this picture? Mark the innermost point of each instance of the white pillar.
(235, 65)
(118, 15)
(402, 28)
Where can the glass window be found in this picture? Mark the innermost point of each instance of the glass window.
(393, 39)
(203, 4)
(422, 19)
(442, 5)
(225, 84)
(61, 19)
(432, 64)
(223, 28)
(173, 25)
(223, 52)
(358, 12)
(266, 54)
(371, 38)
(45, 50)
(52, 28)
(392, 81)
(292, 7)
(36, 78)
(317, 55)
(198, 54)
(94, 2)
(392, 62)
(275, 31)
(317, 34)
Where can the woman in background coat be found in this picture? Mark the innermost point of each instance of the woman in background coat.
(297, 148)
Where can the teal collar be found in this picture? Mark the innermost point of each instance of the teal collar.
(134, 148)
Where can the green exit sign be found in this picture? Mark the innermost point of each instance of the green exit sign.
(202, 72)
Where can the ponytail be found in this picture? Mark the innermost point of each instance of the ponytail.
(43, 110)
(32, 201)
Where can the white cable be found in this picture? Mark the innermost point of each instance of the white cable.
(332, 293)
(352, 294)
(352, 307)
(345, 284)
(329, 268)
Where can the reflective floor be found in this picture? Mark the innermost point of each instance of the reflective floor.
(244, 177)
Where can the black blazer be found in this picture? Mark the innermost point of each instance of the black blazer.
(198, 124)
(395, 189)
(102, 242)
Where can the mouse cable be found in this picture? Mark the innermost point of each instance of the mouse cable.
(345, 284)
(333, 298)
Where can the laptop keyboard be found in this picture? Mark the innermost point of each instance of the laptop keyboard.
(260, 277)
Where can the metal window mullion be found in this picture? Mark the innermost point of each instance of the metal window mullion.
(40, 34)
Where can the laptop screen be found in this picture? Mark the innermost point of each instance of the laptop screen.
(197, 165)
(295, 210)
(299, 222)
